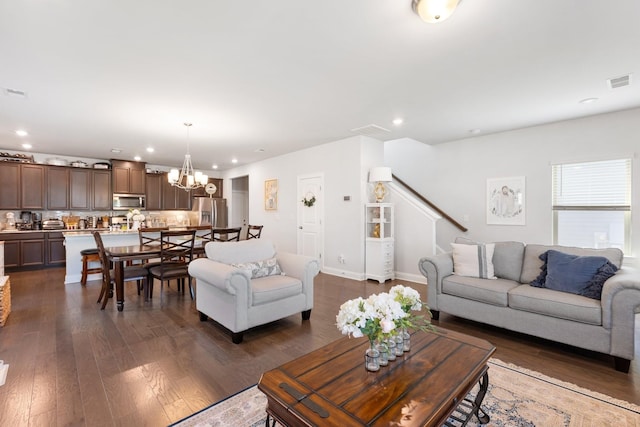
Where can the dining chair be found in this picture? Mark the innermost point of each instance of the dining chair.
(254, 231)
(130, 273)
(150, 236)
(175, 255)
(226, 234)
(203, 236)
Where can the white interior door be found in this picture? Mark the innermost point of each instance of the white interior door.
(311, 218)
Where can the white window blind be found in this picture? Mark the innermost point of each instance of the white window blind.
(594, 184)
(592, 203)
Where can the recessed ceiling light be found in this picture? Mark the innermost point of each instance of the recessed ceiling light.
(21, 132)
(234, 161)
(116, 150)
(137, 158)
(150, 150)
(26, 146)
(214, 167)
(398, 121)
(588, 100)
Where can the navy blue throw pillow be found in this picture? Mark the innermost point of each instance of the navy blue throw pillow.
(539, 281)
(577, 274)
(594, 286)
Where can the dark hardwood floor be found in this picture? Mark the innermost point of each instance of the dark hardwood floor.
(155, 363)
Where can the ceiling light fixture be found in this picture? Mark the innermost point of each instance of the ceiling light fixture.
(21, 132)
(187, 178)
(433, 11)
(26, 146)
(234, 161)
(137, 158)
(398, 121)
(116, 150)
(150, 150)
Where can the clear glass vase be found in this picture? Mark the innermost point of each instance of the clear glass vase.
(372, 360)
(406, 340)
(391, 345)
(399, 338)
(382, 348)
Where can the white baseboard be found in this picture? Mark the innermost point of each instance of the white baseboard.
(342, 273)
(415, 278)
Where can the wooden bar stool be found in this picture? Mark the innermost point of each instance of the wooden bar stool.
(89, 255)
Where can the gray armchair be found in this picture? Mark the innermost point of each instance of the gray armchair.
(239, 286)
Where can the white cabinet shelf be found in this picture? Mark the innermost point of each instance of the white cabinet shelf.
(379, 247)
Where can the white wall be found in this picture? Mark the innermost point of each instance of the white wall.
(345, 165)
(453, 175)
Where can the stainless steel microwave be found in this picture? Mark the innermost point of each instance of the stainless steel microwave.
(124, 202)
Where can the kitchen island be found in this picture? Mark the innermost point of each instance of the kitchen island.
(76, 241)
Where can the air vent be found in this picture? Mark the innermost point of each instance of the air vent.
(15, 92)
(371, 130)
(621, 81)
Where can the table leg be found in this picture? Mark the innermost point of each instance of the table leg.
(119, 279)
(478, 411)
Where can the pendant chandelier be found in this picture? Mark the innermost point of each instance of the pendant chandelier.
(187, 178)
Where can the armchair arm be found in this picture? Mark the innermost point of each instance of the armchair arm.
(435, 268)
(620, 302)
(302, 267)
(223, 276)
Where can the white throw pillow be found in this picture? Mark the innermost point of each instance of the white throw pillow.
(473, 260)
(263, 268)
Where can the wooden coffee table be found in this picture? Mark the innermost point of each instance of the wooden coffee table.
(330, 386)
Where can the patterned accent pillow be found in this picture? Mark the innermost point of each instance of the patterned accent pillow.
(264, 268)
(473, 260)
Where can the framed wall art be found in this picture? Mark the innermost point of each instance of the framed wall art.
(506, 201)
(271, 195)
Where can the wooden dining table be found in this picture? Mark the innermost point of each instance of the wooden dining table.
(119, 255)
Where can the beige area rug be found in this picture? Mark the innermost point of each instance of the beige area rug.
(517, 397)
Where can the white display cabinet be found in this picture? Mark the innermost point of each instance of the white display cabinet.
(379, 246)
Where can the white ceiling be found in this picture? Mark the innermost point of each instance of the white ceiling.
(283, 75)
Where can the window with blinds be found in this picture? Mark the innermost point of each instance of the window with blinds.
(592, 204)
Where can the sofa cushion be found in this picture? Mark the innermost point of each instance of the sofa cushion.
(240, 252)
(473, 260)
(263, 268)
(493, 292)
(561, 305)
(507, 258)
(532, 262)
(274, 288)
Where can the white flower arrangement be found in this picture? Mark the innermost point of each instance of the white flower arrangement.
(135, 215)
(380, 314)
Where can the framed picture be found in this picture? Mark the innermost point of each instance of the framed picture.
(506, 201)
(271, 195)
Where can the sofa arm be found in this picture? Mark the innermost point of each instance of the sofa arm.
(435, 268)
(223, 276)
(620, 302)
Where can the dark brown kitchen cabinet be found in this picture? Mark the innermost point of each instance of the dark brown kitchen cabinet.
(56, 253)
(24, 249)
(128, 177)
(11, 253)
(80, 188)
(9, 186)
(174, 198)
(32, 186)
(101, 197)
(57, 188)
(154, 191)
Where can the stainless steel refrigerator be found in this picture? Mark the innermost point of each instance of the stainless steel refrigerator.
(211, 211)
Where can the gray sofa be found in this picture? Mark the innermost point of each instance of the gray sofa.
(509, 302)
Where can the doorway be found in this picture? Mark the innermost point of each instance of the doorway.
(239, 202)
